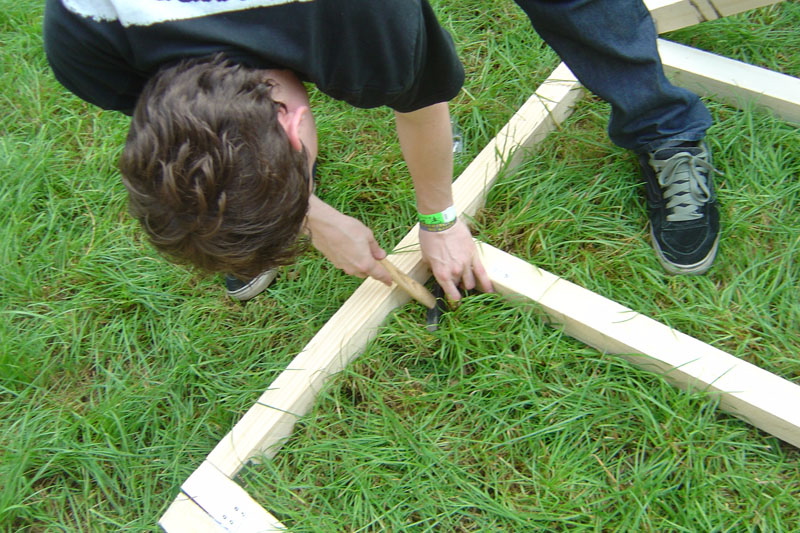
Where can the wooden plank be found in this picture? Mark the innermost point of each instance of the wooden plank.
(346, 334)
(744, 390)
(292, 393)
(185, 515)
(675, 14)
(552, 102)
(212, 503)
(229, 505)
(730, 81)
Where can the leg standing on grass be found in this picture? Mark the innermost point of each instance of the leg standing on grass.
(610, 46)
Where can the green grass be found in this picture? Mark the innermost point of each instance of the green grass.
(119, 372)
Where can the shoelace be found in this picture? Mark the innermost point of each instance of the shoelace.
(684, 179)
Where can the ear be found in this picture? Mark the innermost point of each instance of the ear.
(291, 119)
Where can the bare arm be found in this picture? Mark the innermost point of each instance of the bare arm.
(427, 144)
(426, 141)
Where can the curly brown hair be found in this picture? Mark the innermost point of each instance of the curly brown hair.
(210, 172)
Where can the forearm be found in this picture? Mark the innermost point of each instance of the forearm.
(319, 215)
(426, 140)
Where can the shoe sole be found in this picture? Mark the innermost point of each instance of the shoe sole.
(696, 269)
(256, 286)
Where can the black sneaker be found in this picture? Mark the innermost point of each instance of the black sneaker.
(245, 290)
(684, 219)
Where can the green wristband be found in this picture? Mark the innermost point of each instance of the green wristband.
(445, 217)
(436, 227)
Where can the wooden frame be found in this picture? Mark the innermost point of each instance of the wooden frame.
(675, 14)
(760, 398)
(732, 82)
(210, 499)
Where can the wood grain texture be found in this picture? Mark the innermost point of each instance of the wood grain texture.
(732, 82)
(184, 515)
(762, 399)
(552, 102)
(675, 14)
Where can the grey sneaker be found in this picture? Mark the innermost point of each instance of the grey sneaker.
(684, 219)
(245, 290)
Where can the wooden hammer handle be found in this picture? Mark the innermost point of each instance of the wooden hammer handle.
(410, 285)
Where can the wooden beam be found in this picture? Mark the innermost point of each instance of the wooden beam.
(185, 515)
(264, 427)
(210, 502)
(675, 14)
(552, 102)
(758, 397)
(730, 81)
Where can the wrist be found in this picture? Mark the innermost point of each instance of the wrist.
(319, 214)
(436, 222)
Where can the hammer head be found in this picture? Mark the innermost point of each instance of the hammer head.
(435, 313)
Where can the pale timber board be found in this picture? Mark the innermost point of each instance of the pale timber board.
(291, 394)
(208, 493)
(730, 81)
(675, 14)
(184, 514)
(762, 399)
(552, 102)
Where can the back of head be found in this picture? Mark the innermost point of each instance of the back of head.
(210, 172)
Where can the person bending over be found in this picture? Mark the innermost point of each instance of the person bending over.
(219, 160)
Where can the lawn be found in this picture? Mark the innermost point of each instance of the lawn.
(119, 372)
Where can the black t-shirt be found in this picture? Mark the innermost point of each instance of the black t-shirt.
(368, 53)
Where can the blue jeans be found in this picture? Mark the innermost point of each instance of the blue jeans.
(610, 46)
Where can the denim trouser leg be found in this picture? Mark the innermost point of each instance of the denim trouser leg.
(610, 45)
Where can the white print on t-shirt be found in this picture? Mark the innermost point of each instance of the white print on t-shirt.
(147, 12)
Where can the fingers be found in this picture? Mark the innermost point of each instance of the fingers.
(348, 244)
(451, 275)
(479, 272)
(450, 279)
(366, 267)
(377, 252)
(368, 264)
(376, 269)
(468, 280)
(474, 275)
(450, 290)
(380, 273)
(454, 260)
